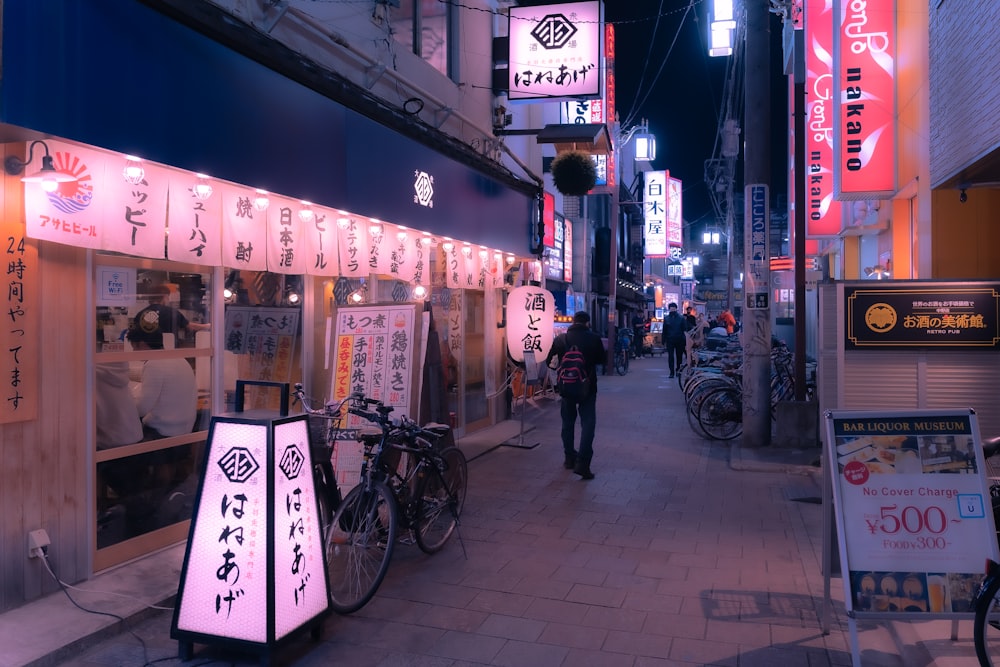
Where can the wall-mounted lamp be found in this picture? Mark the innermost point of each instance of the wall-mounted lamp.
(711, 237)
(133, 172)
(467, 250)
(261, 200)
(721, 28)
(375, 227)
(47, 176)
(645, 145)
(202, 188)
(419, 292)
(343, 222)
(448, 246)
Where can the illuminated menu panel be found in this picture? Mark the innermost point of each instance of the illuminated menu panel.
(300, 592)
(224, 589)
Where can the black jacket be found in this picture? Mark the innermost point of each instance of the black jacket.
(674, 327)
(590, 346)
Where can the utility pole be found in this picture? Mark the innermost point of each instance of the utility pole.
(756, 332)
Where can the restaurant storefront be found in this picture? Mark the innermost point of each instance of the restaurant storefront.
(260, 212)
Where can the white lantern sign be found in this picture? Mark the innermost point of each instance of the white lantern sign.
(530, 322)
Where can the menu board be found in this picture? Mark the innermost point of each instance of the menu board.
(913, 509)
(374, 355)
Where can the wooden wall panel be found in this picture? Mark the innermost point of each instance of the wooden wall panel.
(44, 472)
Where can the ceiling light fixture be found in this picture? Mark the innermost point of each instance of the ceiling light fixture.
(306, 213)
(133, 171)
(261, 200)
(202, 189)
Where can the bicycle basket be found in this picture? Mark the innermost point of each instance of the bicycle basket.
(319, 447)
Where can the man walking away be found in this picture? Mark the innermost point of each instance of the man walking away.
(674, 327)
(579, 351)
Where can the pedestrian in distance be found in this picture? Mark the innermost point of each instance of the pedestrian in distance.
(690, 318)
(578, 351)
(674, 327)
(727, 320)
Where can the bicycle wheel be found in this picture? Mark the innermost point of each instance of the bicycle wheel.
(621, 363)
(721, 414)
(359, 545)
(986, 629)
(439, 501)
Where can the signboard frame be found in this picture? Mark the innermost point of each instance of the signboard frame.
(930, 444)
(914, 314)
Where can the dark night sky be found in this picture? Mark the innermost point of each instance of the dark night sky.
(683, 102)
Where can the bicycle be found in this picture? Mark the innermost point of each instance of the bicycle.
(986, 601)
(326, 426)
(426, 497)
(623, 345)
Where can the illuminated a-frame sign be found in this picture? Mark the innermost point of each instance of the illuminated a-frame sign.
(913, 513)
(912, 314)
(254, 569)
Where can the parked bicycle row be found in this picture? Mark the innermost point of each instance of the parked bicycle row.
(712, 382)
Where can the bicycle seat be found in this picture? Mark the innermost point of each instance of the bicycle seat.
(991, 446)
(436, 428)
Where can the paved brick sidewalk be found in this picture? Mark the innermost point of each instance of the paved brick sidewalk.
(669, 557)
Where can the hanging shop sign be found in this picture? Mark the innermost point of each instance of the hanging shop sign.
(20, 336)
(530, 317)
(757, 248)
(864, 57)
(823, 213)
(555, 50)
(915, 314)
(654, 207)
(913, 510)
(675, 216)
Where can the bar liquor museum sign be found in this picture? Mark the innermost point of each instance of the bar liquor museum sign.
(922, 314)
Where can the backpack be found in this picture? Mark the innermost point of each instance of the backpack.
(572, 380)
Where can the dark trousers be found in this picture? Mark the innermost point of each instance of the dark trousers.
(587, 409)
(676, 349)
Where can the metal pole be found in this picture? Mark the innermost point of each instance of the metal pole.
(799, 109)
(756, 334)
(730, 236)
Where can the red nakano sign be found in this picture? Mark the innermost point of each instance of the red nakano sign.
(823, 212)
(865, 62)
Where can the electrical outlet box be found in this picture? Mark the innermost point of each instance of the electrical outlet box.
(38, 540)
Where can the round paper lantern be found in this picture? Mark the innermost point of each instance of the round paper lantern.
(530, 321)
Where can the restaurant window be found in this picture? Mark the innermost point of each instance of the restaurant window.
(152, 401)
(263, 334)
(427, 27)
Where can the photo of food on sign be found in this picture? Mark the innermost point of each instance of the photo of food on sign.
(933, 592)
(889, 454)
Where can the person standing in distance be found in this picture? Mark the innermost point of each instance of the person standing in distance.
(674, 327)
(590, 346)
(727, 320)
